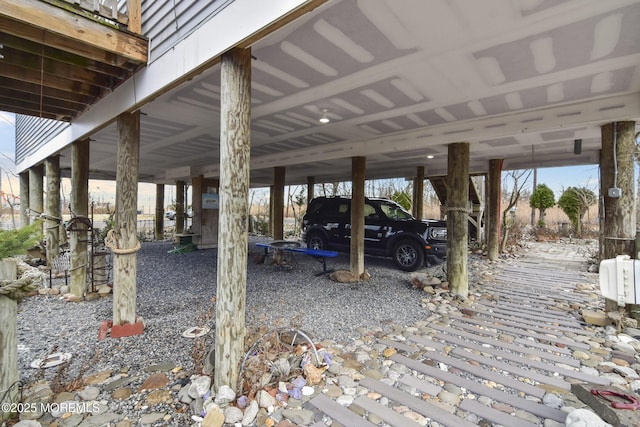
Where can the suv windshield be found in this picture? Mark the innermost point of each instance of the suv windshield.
(393, 211)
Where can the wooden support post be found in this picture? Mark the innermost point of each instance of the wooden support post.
(618, 228)
(54, 215)
(134, 13)
(8, 341)
(311, 184)
(358, 172)
(36, 191)
(24, 199)
(278, 203)
(159, 220)
(80, 207)
(493, 208)
(418, 194)
(125, 240)
(271, 208)
(457, 218)
(8, 354)
(235, 137)
(180, 207)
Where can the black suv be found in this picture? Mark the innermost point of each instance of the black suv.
(389, 231)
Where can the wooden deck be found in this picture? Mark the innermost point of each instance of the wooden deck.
(470, 352)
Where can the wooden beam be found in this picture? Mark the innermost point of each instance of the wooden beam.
(47, 67)
(24, 198)
(29, 109)
(36, 189)
(235, 137)
(54, 215)
(54, 81)
(36, 48)
(134, 12)
(418, 190)
(125, 229)
(80, 207)
(494, 210)
(278, 203)
(358, 170)
(457, 218)
(311, 183)
(159, 220)
(616, 170)
(73, 28)
(197, 181)
(7, 83)
(35, 99)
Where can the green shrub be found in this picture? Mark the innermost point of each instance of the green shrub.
(17, 242)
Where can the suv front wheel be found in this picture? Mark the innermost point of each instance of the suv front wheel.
(408, 255)
(316, 240)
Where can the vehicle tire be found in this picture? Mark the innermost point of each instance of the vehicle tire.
(408, 255)
(316, 240)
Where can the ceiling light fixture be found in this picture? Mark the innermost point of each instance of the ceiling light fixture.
(430, 156)
(324, 119)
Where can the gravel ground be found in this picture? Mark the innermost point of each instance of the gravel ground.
(175, 292)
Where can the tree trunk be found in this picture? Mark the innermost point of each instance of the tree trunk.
(235, 136)
(125, 265)
(494, 211)
(458, 218)
(358, 169)
(80, 207)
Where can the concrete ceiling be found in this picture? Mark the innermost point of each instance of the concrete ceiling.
(399, 80)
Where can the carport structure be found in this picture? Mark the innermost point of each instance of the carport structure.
(244, 93)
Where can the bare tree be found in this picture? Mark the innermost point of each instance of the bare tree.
(517, 181)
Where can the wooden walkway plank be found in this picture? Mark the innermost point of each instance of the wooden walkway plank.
(540, 314)
(344, 416)
(526, 332)
(423, 386)
(507, 292)
(533, 324)
(531, 343)
(397, 345)
(550, 313)
(390, 416)
(494, 415)
(422, 407)
(514, 370)
(567, 360)
(426, 342)
(488, 375)
(483, 330)
(552, 368)
(510, 399)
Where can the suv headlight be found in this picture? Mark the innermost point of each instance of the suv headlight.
(438, 233)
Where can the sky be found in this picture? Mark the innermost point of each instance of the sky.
(557, 179)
